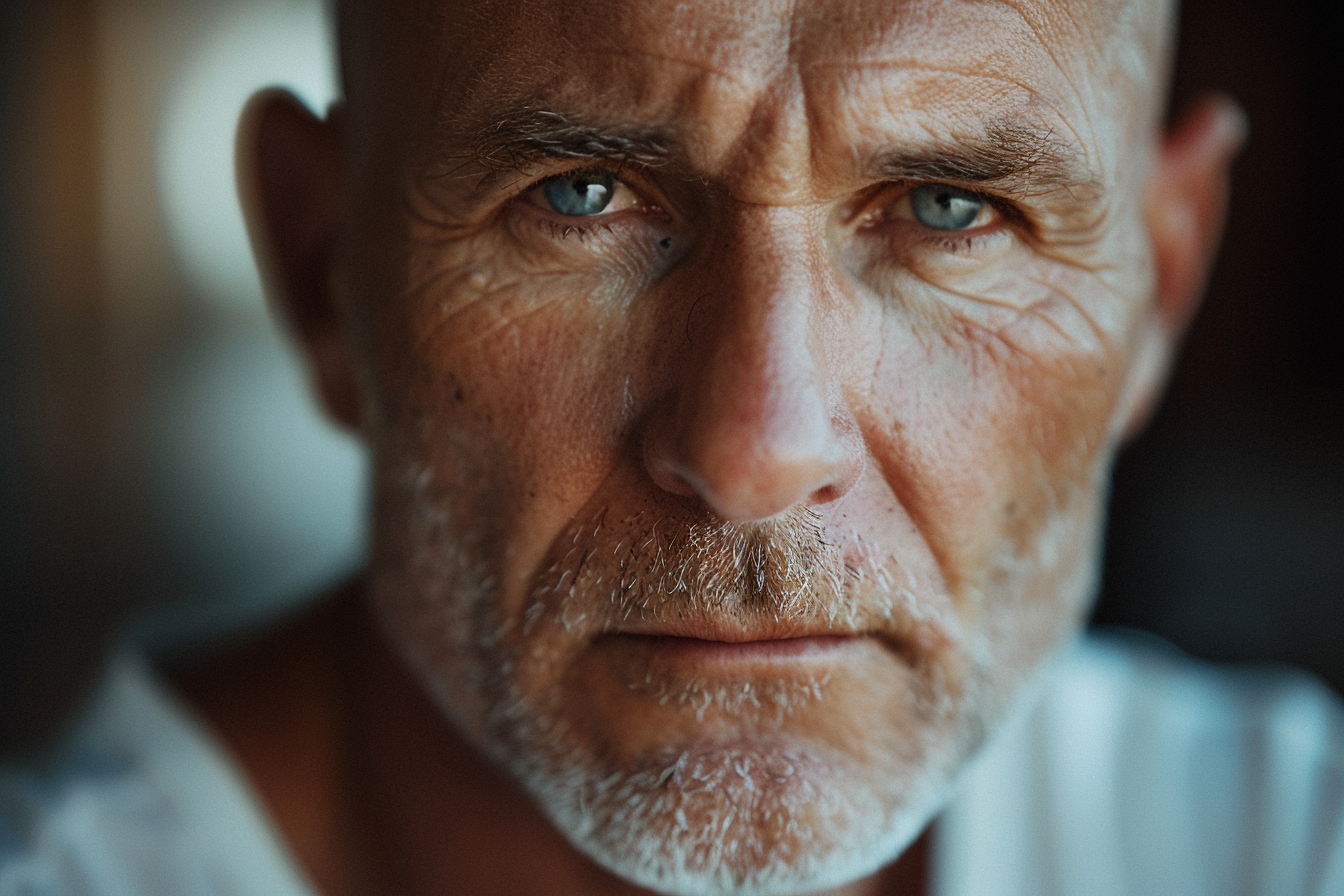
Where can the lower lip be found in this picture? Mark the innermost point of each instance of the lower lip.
(820, 648)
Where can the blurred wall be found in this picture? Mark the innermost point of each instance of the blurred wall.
(1227, 532)
(157, 448)
(159, 445)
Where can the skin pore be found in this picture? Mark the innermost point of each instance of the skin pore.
(741, 383)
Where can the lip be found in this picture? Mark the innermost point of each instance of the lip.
(734, 632)
(761, 650)
(698, 656)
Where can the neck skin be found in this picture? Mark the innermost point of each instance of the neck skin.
(372, 790)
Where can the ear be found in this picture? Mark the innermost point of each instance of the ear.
(1185, 200)
(290, 170)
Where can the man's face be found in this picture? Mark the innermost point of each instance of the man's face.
(742, 381)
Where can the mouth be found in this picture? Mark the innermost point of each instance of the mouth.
(745, 680)
(801, 648)
(740, 653)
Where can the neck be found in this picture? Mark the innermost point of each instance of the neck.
(377, 794)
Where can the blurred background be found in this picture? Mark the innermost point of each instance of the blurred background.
(158, 449)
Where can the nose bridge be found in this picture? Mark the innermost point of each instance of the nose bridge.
(762, 292)
(752, 429)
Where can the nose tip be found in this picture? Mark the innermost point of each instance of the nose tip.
(745, 466)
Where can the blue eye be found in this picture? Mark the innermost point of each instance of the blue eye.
(579, 194)
(945, 208)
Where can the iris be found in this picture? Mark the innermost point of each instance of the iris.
(581, 193)
(945, 208)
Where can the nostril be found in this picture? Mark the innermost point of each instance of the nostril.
(825, 495)
(662, 469)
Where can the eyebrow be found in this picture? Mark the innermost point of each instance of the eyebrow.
(1020, 159)
(531, 135)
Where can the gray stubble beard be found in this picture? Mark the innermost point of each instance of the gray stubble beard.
(762, 819)
(767, 819)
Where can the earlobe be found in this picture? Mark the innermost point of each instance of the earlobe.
(1185, 200)
(289, 169)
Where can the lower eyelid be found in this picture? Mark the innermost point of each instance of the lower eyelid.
(586, 240)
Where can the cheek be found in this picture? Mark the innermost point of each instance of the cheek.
(992, 414)
(517, 401)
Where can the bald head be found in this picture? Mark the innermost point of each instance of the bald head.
(742, 381)
(399, 56)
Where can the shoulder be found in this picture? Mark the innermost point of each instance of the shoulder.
(1137, 693)
(1142, 771)
(138, 800)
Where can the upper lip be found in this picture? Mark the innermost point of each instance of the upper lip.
(733, 631)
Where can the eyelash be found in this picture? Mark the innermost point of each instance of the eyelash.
(561, 231)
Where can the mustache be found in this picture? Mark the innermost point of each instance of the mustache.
(662, 567)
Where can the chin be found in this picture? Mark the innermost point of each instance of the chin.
(707, 796)
(758, 819)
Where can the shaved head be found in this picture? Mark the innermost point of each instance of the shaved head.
(742, 382)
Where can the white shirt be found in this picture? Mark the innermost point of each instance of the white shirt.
(1136, 773)
(141, 802)
(1143, 773)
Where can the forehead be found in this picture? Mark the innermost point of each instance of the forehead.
(721, 71)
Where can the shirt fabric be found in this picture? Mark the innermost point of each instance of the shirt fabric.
(1136, 772)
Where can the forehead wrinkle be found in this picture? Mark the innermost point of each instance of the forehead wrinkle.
(496, 142)
(1019, 115)
(1119, 47)
(570, 114)
(773, 159)
(911, 62)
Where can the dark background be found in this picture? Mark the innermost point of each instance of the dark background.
(1227, 524)
(1227, 533)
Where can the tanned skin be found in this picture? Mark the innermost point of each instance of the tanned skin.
(349, 757)
(762, 341)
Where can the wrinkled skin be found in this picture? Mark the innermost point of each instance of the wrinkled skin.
(728, 520)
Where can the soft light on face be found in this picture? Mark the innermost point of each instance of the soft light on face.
(742, 387)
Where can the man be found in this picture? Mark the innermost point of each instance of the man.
(741, 383)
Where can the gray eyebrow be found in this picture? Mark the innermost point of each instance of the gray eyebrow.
(530, 135)
(1019, 159)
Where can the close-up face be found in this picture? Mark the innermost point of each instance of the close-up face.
(742, 381)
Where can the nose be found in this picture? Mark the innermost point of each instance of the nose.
(756, 422)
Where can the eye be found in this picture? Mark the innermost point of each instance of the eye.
(943, 207)
(579, 193)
